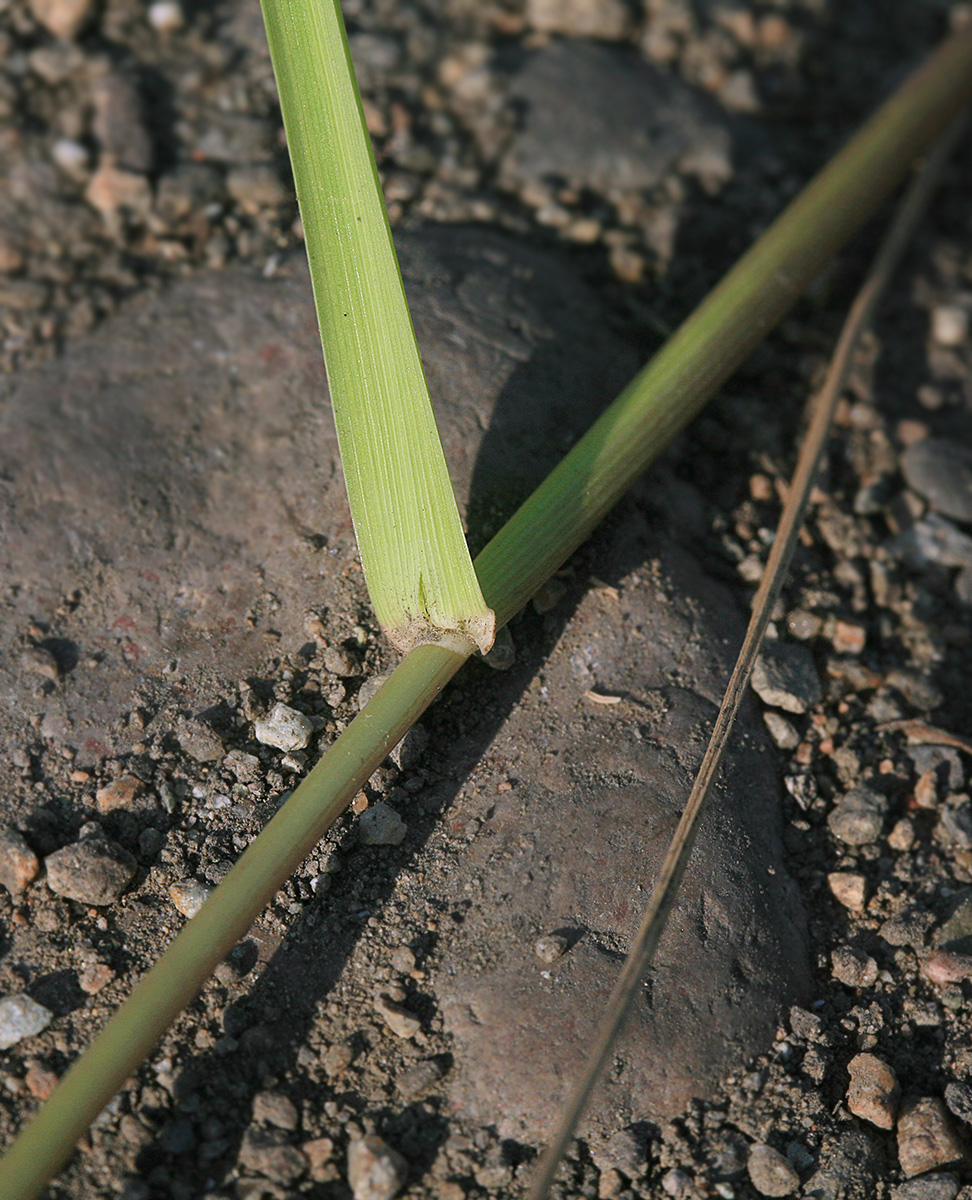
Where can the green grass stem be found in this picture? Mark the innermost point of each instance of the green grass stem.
(413, 550)
(539, 538)
(736, 315)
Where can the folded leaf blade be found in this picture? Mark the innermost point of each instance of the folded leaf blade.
(413, 551)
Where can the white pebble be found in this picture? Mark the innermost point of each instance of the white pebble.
(21, 1017)
(950, 325)
(70, 156)
(189, 895)
(165, 16)
(283, 727)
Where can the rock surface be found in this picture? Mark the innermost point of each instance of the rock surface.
(598, 117)
(122, 488)
(586, 824)
(941, 472)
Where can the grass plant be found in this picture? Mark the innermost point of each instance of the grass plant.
(543, 533)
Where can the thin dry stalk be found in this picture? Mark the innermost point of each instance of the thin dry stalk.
(822, 409)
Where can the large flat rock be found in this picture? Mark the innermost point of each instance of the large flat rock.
(171, 495)
(573, 848)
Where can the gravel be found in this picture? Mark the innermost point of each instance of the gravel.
(785, 677)
(376, 1171)
(284, 728)
(380, 825)
(94, 871)
(927, 1138)
(21, 1018)
(874, 1091)
(941, 471)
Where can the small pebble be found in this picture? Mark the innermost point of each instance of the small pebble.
(781, 730)
(771, 1173)
(909, 928)
(578, 18)
(120, 793)
(189, 895)
(949, 325)
(40, 1080)
(63, 18)
(805, 1024)
(399, 1020)
(380, 825)
(18, 863)
(858, 817)
(848, 637)
(785, 676)
(419, 1079)
(255, 188)
(375, 1170)
(802, 625)
(93, 978)
(267, 1152)
(408, 753)
(94, 871)
(874, 1091)
(939, 1185)
(958, 1098)
(853, 967)
(624, 1151)
(318, 1152)
(954, 826)
(502, 654)
(902, 835)
(112, 189)
(165, 16)
(550, 947)
(926, 1137)
(338, 662)
(944, 966)
(284, 728)
(273, 1108)
(403, 960)
(941, 472)
(848, 888)
(72, 158)
(20, 1018)
(39, 661)
(678, 1184)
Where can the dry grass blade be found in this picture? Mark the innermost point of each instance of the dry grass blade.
(673, 868)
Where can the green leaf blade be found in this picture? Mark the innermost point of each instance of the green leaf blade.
(413, 550)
